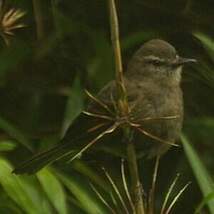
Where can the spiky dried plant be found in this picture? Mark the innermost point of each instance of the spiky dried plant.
(10, 21)
(112, 120)
(116, 121)
(124, 203)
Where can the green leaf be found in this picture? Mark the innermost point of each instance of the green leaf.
(209, 197)
(11, 56)
(204, 179)
(26, 196)
(14, 132)
(86, 199)
(74, 104)
(7, 145)
(205, 68)
(54, 190)
(90, 173)
(207, 42)
(101, 68)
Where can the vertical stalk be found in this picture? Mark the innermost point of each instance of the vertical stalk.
(122, 99)
(39, 19)
(136, 185)
(124, 111)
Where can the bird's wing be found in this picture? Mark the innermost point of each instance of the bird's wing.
(88, 127)
(79, 134)
(84, 129)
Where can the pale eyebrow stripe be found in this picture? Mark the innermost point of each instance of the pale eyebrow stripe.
(149, 57)
(152, 57)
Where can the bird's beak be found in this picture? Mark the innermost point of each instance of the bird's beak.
(182, 61)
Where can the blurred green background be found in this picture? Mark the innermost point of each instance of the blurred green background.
(64, 48)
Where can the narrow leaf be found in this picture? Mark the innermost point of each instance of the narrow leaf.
(204, 179)
(7, 145)
(24, 195)
(209, 197)
(88, 203)
(54, 190)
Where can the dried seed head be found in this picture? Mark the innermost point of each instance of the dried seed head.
(10, 21)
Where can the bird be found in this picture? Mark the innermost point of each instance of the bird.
(155, 99)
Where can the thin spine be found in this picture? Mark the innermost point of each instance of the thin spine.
(176, 198)
(126, 187)
(116, 191)
(102, 199)
(168, 194)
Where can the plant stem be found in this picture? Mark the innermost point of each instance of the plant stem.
(122, 98)
(136, 185)
(39, 18)
(123, 111)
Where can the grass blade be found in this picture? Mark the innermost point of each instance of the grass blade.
(204, 202)
(7, 145)
(74, 105)
(14, 132)
(88, 203)
(23, 193)
(204, 179)
(53, 189)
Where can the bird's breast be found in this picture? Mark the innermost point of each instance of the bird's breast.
(160, 111)
(152, 99)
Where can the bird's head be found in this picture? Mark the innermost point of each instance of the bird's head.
(159, 61)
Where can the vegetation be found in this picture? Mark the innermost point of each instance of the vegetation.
(50, 52)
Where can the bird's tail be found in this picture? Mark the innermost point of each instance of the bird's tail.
(42, 159)
(77, 137)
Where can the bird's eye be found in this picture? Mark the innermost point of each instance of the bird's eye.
(156, 62)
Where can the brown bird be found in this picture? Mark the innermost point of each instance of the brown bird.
(152, 83)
